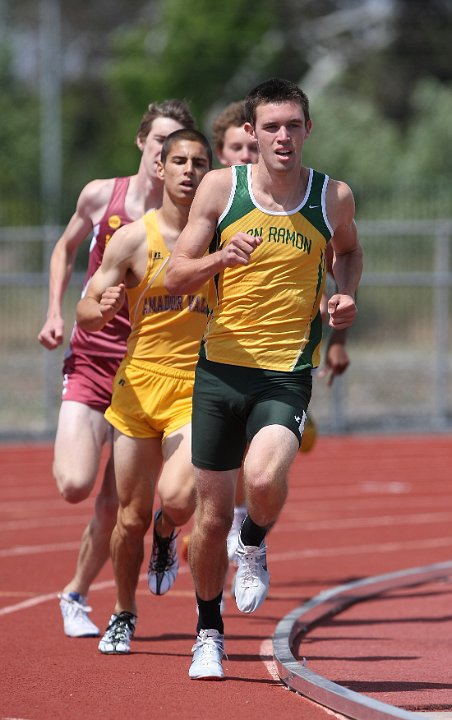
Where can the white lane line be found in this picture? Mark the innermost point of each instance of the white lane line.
(26, 604)
(37, 549)
(266, 656)
(377, 521)
(39, 599)
(336, 551)
(45, 503)
(43, 523)
(281, 527)
(306, 505)
(48, 547)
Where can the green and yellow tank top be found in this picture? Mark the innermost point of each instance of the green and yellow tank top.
(266, 315)
(165, 329)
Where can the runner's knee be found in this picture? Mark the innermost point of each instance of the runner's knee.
(215, 526)
(261, 483)
(266, 492)
(178, 504)
(178, 515)
(133, 523)
(72, 486)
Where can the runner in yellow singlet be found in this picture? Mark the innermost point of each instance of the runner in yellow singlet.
(91, 360)
(152, 394)
(272, 222)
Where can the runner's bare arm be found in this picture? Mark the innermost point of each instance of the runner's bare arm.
(190, 267)
(90, 206)
(348, 256)
(124, 261)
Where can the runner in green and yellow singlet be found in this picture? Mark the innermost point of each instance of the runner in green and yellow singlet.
(271, 223)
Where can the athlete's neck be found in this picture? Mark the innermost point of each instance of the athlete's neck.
(144, 194)
(279, 191)
(172, 219)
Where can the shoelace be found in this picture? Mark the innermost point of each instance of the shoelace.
(75, 605)
(209, 646)
(119, 630)
(162, 559)
(253, 563)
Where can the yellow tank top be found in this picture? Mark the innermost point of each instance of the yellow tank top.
(266, 315)
(165, 329)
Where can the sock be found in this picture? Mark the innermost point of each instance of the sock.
(77, 597)
(252, 534)
(209, 617)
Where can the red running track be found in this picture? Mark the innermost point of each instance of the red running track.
(357, 507)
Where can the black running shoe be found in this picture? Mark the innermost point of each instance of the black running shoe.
(164, 563)
(118, 634)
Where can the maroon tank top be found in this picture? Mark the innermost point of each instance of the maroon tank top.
(111, 340)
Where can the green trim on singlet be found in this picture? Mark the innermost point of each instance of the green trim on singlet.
(242, 203)
(315, 337)
(213, 247)
(315, 214)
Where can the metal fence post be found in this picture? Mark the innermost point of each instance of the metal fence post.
(441, 325)
(51, 234)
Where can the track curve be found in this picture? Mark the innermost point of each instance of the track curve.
(295, 675)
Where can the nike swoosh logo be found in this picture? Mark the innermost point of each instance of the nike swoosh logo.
(311, 207)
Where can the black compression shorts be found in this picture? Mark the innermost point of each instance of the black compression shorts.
(231, 404)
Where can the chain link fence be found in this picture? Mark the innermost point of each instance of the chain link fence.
(400, 377)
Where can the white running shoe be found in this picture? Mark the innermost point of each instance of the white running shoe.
(252, 580)
(119, 633)
(164, 563)
(233, 583)
(233, 536)
(208, 652)
(75, 617)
